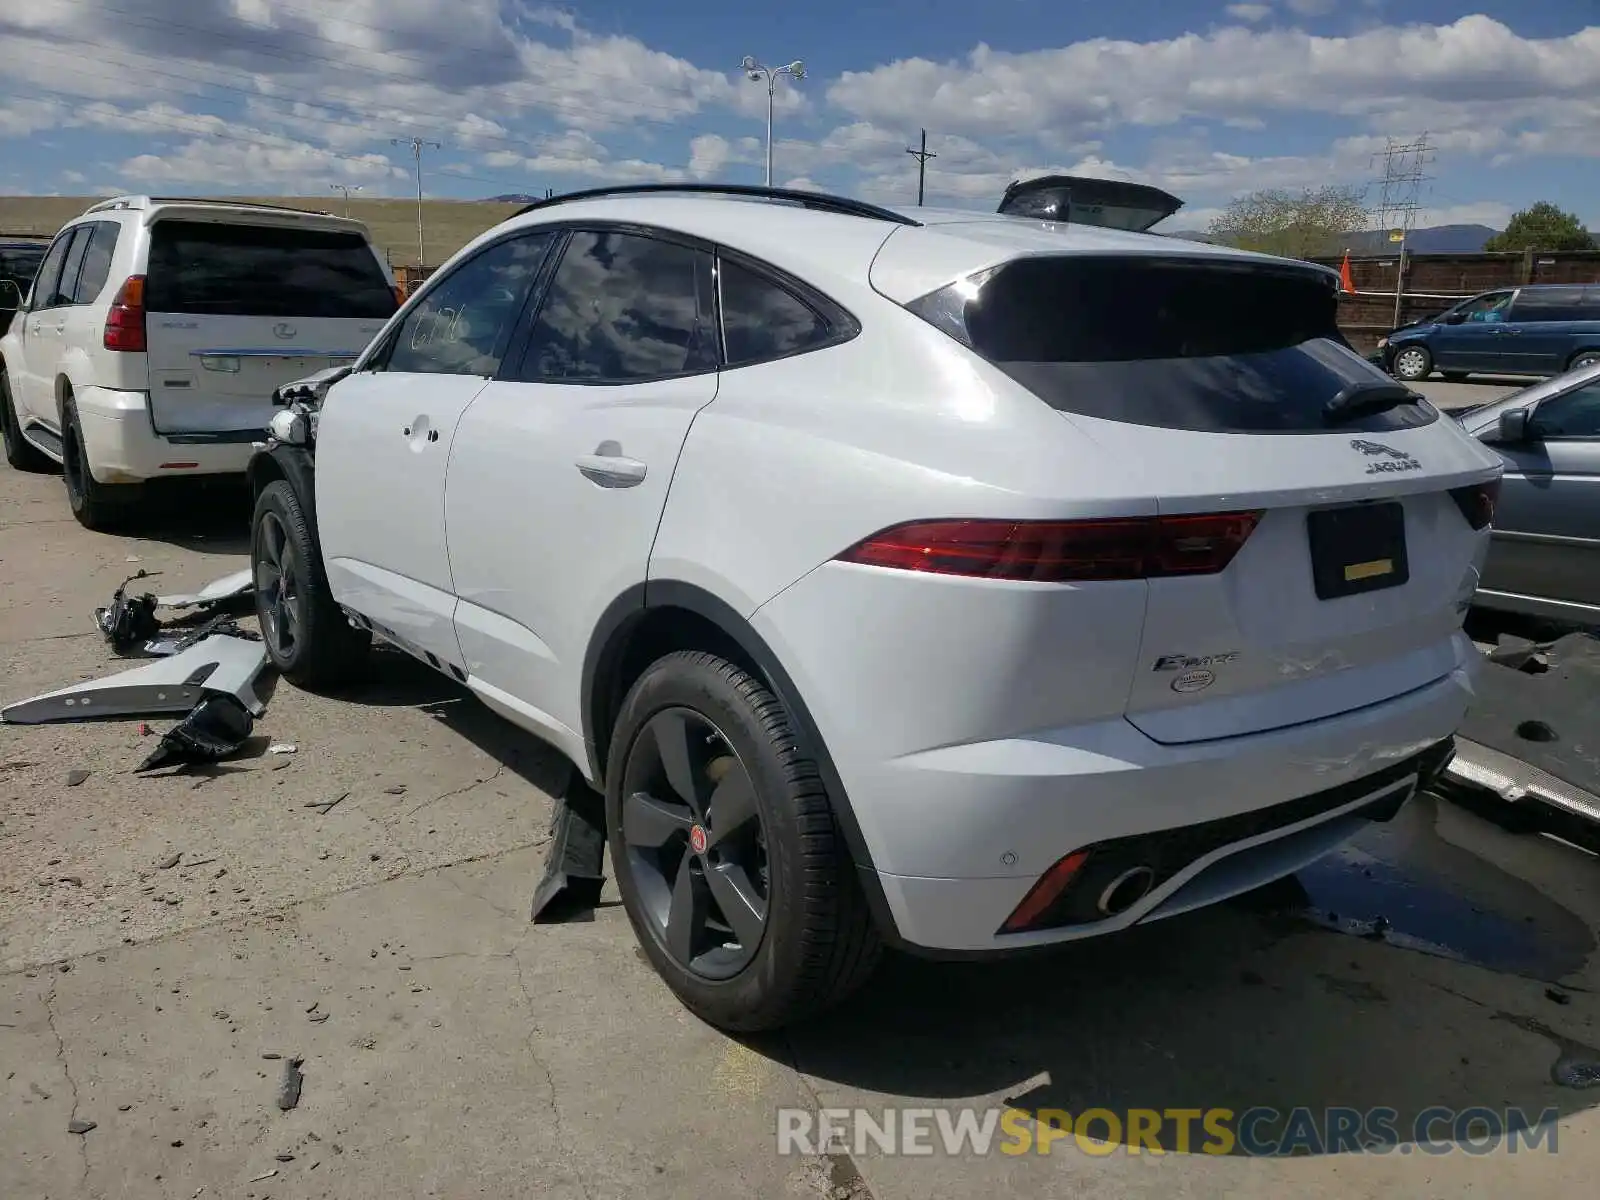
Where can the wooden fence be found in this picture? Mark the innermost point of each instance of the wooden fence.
(1434, 282)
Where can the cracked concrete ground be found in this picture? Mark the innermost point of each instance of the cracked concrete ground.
(452, 1049)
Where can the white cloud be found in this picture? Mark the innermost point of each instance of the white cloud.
(708, 153)
(1476, 67)
(576, 152)
(1250, 12)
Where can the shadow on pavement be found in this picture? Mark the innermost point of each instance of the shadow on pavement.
(1256, 1004)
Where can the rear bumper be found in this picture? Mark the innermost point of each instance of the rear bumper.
(951, 838)
(123, 446)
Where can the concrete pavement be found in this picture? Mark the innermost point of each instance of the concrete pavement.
(453, 1049)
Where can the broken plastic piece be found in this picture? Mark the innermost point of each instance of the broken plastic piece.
(216, 592)
(214, 729)
(282, 748)
(572, 872)
(166, 686)
(128, 620)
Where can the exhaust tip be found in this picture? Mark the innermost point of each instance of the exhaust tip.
(1126, 890)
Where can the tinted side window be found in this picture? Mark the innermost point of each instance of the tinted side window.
(96, 262)
(1182, 343)
(44, 283)
(71, 265)
(1574, 415)
(1549, 304)
(461, 326)
(761, 320)
(624, 308)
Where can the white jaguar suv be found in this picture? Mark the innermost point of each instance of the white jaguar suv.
(952, 581)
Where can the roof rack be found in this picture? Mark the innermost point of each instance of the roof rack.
(142, 203)
(818, 201)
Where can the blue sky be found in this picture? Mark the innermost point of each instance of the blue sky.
(1208, 98)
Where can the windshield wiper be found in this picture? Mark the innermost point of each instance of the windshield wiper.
(1364, 399)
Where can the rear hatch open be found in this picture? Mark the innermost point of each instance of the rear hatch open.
(1221, 386)
(238, 306)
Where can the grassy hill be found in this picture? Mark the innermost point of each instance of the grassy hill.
(447, 224)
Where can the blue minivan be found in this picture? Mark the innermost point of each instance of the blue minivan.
(1542, 329)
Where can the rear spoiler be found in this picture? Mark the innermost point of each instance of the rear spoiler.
(1112, 203)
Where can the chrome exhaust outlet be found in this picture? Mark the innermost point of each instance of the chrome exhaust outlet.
(1126, 890)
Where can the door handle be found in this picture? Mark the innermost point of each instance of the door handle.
(611, 470)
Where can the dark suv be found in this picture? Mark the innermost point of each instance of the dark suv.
(1543, 329)
(19, 260)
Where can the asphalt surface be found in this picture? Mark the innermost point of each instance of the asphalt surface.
(451, 1048)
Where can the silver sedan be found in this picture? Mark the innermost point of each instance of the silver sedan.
(1544, 560)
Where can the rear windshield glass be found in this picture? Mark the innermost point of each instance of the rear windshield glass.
(1212, 347)
(202, 268)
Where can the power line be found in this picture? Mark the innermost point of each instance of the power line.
(417, 145)
(922, 156)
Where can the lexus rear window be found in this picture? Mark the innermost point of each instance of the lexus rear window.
(1173, 343)
(205, 269)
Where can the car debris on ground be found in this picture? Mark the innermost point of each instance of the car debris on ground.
(204, 673)
(1524, 752)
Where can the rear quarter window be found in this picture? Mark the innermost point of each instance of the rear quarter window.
(1176, 343)
(202, 268)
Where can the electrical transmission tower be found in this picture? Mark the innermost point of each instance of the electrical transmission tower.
(1400, 187)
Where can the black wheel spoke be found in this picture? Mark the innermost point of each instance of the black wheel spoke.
(695, 850)
(685, 769)
(649, 823)
(742, 906)
(686, 918)
(731, 811)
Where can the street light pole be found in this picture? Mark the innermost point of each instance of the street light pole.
(758, 73)
(417, 145)
(346, 188)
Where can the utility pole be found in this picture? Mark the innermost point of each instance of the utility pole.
(1400, 198)
(346, 188)
(417, 145)
(922, 156)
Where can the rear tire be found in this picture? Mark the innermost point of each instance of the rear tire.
(97, 506)
(308, 638)
(1584, 358)
(814, 940)
(1412, 363)
(22, 455)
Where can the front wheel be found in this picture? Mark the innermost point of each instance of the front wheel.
(731, 867)
(21, 454)
(308, 638)
(1412, 363)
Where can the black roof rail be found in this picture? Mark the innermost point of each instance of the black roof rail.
(819, 201)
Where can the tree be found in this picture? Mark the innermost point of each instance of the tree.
(1299, 225)
(1542, 226)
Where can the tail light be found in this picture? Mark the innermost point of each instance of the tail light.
(125, 322)
(1062, 551)
(1476, 502)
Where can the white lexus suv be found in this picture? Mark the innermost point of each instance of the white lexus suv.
(960, 582)
(157, 330)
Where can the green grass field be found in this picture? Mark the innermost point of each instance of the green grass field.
(447, 224)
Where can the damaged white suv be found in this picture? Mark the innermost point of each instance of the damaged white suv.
(961, 582)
